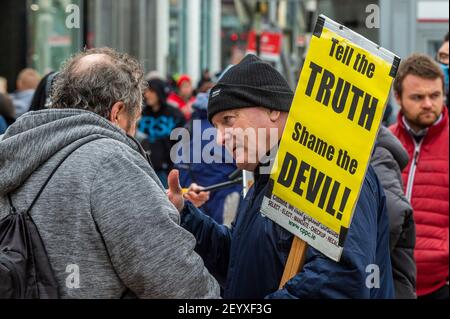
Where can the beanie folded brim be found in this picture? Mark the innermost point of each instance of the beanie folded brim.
(225, 97)
(251, 83)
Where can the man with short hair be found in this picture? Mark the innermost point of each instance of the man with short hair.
(422, 127)
(104, 218)
(248, 260)
(27, 82)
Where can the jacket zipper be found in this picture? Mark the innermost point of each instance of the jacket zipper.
(412, 169)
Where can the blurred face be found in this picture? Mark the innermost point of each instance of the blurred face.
(3, 86)
(422, 101)
(238, 131)
(443, 53)
(151, 98)
(186, 89)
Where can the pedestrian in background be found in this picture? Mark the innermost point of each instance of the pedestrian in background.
(422, 128)
(158, 121)
(442, 58)
(3, 85)
(42, 96)
(183, 97)
(27, 82)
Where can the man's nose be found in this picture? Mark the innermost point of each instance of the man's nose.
(427, 103)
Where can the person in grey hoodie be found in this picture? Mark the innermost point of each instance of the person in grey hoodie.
(389, 159)
(104, 217)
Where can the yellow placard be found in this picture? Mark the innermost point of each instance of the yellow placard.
(328, 139)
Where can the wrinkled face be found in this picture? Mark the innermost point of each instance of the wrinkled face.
(186, 89)
(238, 131)
(422, 101)
(151, 98)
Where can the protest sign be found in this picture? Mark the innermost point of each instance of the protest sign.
(329, 136)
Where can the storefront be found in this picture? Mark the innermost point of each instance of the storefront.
(56, 32)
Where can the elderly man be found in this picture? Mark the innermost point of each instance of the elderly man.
(104, 217)
(422, 127)
(248, 259)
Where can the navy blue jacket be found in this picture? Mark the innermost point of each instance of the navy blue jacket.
(248, 260)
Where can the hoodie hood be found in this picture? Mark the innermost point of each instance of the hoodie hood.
(388, 140)
(37, 136)
(160, 88)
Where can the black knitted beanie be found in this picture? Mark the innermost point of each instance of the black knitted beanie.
(248, 84)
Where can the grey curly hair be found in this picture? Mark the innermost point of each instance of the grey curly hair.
(96, 86)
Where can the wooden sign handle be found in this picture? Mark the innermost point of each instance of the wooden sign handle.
(295, 260)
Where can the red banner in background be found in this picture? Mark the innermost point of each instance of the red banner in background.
(270, 44)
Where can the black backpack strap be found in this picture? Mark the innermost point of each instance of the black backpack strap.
(48, 179)
(13, 209)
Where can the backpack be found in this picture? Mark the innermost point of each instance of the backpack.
(25, 270)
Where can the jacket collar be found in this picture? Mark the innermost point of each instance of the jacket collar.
(431, 131)
(262, 171)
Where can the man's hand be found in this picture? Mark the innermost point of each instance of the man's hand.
(196, 196)
(175, 193)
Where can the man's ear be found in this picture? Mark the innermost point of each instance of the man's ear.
(117, 111)
(274, 115)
